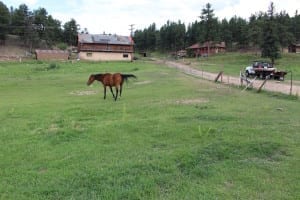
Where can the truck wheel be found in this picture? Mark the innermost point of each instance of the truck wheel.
(247, 73)
(261, 76)
(281, 78)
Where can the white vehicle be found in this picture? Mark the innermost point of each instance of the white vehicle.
(249, 71)
(261, 69)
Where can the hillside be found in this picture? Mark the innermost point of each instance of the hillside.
(12, 49)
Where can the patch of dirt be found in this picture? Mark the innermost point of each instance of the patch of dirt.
(191, 101)
(82, 93)
(12, 49)
(142, 82)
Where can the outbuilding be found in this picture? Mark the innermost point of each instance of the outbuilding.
(294, 48)
(105, 47)
(42, 54)
(207, 48)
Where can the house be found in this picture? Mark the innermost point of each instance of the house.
(207, 48)
(105, 47)
(51, 54)
(179, 54)
(294, 48)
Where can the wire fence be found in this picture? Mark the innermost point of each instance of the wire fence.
(273, 86)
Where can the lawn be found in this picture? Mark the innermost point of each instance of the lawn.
(170, 136)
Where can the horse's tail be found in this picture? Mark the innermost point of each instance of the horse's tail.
(126, 76)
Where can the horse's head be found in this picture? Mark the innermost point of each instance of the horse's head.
(91, 79)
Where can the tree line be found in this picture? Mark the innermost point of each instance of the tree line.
(36, 27)
(261, 28)
(268, 31)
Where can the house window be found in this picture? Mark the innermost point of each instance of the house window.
(125, 55)
(89, 54)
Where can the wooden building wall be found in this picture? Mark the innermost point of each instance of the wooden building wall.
(52, 55)
(105, 48)
(105, 56)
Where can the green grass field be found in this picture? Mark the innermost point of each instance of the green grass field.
(170, 136)
(233, 63)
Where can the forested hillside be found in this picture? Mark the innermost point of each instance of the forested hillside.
(236, 32)
(261, 30)
(36, 28)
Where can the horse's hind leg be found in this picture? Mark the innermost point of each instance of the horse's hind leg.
(112, 92)
(120, 90)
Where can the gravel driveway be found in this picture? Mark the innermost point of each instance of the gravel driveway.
(271, 85)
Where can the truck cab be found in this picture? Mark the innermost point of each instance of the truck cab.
(259, 68)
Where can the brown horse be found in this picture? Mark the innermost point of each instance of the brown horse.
(111, 80)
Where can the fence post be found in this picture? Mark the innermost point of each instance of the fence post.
(260, 87)
(220, 74)
(291, 92)
(241, 79)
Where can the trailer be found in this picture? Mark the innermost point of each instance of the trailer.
(279, 75)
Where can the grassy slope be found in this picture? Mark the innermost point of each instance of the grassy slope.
(233, 63)
(151, 144)
(13, 47)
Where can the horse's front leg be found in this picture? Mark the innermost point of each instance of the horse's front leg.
(104, 92)
(112, 92)
(117, 90)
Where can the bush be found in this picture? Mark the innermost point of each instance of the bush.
(53, 66)
(62, 46)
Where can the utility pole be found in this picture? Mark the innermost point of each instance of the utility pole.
(131, 29)
(131, 35)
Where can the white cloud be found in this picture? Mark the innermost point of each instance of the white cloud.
(243, 9)
(16, 3)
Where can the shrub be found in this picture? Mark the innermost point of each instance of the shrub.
(53, 66)
(62, 46)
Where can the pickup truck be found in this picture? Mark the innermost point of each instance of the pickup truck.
(260, 69)
(264, 70)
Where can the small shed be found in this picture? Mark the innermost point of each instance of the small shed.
(207, 48)
(51, 54)
(294, 48)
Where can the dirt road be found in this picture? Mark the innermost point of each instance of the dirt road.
(271, 85)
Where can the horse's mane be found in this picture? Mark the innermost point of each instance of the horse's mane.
(97, 75)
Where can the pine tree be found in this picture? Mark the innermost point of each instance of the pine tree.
(4, 21)
(285, 37)
(70, 32)
(270, 44)
(207, 18)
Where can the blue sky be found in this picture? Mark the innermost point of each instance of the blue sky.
(115, 16)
